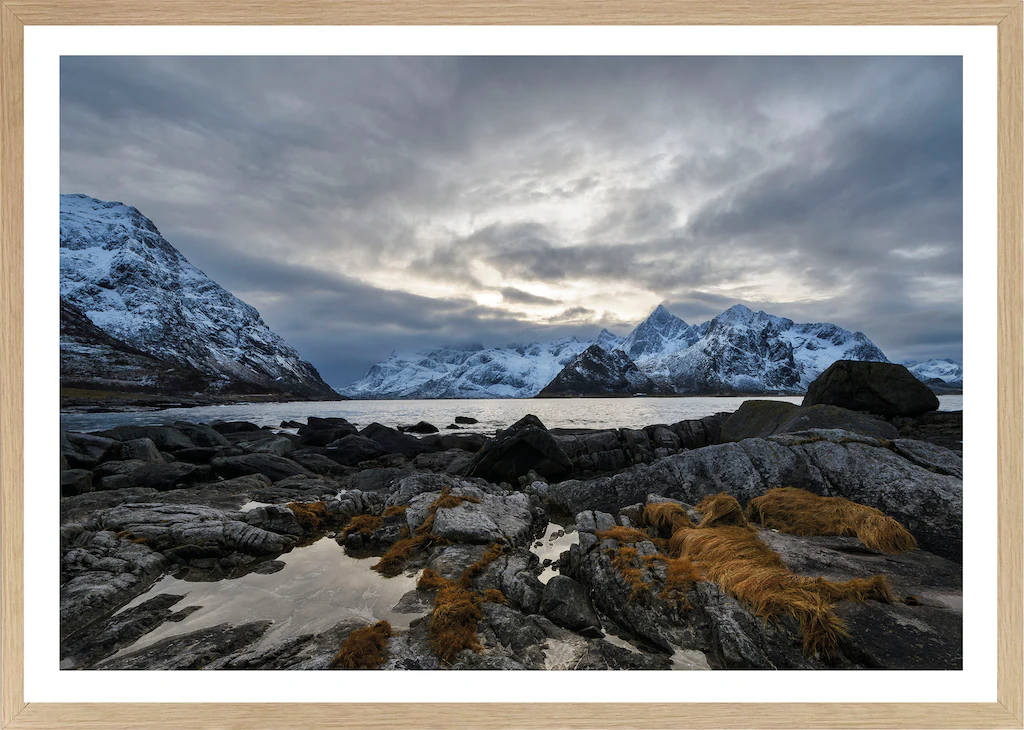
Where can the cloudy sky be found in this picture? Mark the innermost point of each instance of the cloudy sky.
(365, 205)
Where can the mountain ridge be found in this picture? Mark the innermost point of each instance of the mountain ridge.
(131, 284)
(740, 351)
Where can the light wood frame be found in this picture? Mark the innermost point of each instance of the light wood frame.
(1008, 15)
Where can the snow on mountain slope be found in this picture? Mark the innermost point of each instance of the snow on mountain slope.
(743, 351)
(662, 333)
(949, 371)
(136, 287)
(514, 371)
(739, 351)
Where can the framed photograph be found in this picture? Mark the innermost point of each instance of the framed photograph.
(507, 341)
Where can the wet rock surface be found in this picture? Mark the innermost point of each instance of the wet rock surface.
(216, 503)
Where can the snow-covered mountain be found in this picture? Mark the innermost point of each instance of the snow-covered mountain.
(661, 334)
(739, 351)
(597, 371)
(947, 372)
(742, 351)
(513, 371)
(138, 290)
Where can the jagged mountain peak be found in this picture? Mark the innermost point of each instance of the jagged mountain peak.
(661, 332)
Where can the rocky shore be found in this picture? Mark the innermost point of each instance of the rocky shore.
(666, 531)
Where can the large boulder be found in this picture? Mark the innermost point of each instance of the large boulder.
(324, 436)
(762, 418)
(202, 435)
(352, 449)
(526, 446)
(395, 442)
(86, 450)
(275, 467)
(140, 450)
(75, 481)
(166, 438)
(877, 387)
(566, 602)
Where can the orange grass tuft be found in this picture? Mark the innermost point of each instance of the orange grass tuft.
(666, 517)
(312, 517)
(394, 511)
(800, 512)
(719, 510)
(430, 580)
(495, 551)
(493, 595)
(453, 622)
(362, 525)
(625, 560)
(364, 648)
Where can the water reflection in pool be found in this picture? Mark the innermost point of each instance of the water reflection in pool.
(319, 586)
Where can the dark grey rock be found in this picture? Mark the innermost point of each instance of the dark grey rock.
(274, 467)
(395, 442)
(223, 427)
(523, 447)
(566, 602)
(141, 450)
(75, 481)
(352, 449)
(763, 418)
(883, 388)
(421, 427)
(86, 450)
(194, 650)
(107, 636)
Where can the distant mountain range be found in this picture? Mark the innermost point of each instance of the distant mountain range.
(137, 316)
(738, 352)
(941, 375)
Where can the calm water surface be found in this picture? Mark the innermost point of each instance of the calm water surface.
(491, 413)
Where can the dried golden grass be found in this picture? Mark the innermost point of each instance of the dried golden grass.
(362, 525)
(312, 517)
(431, 580)
(721, 509)
(754, 574)
(799, 512)
(666, 517)
(364, 648)
(395, 510)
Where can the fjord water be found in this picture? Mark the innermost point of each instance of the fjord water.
(492, 414)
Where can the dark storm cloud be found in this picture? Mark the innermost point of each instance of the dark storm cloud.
(518, 296)
(371, 204)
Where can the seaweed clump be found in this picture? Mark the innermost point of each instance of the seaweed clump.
(362, 525)
(365, 648)
(312, 516)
